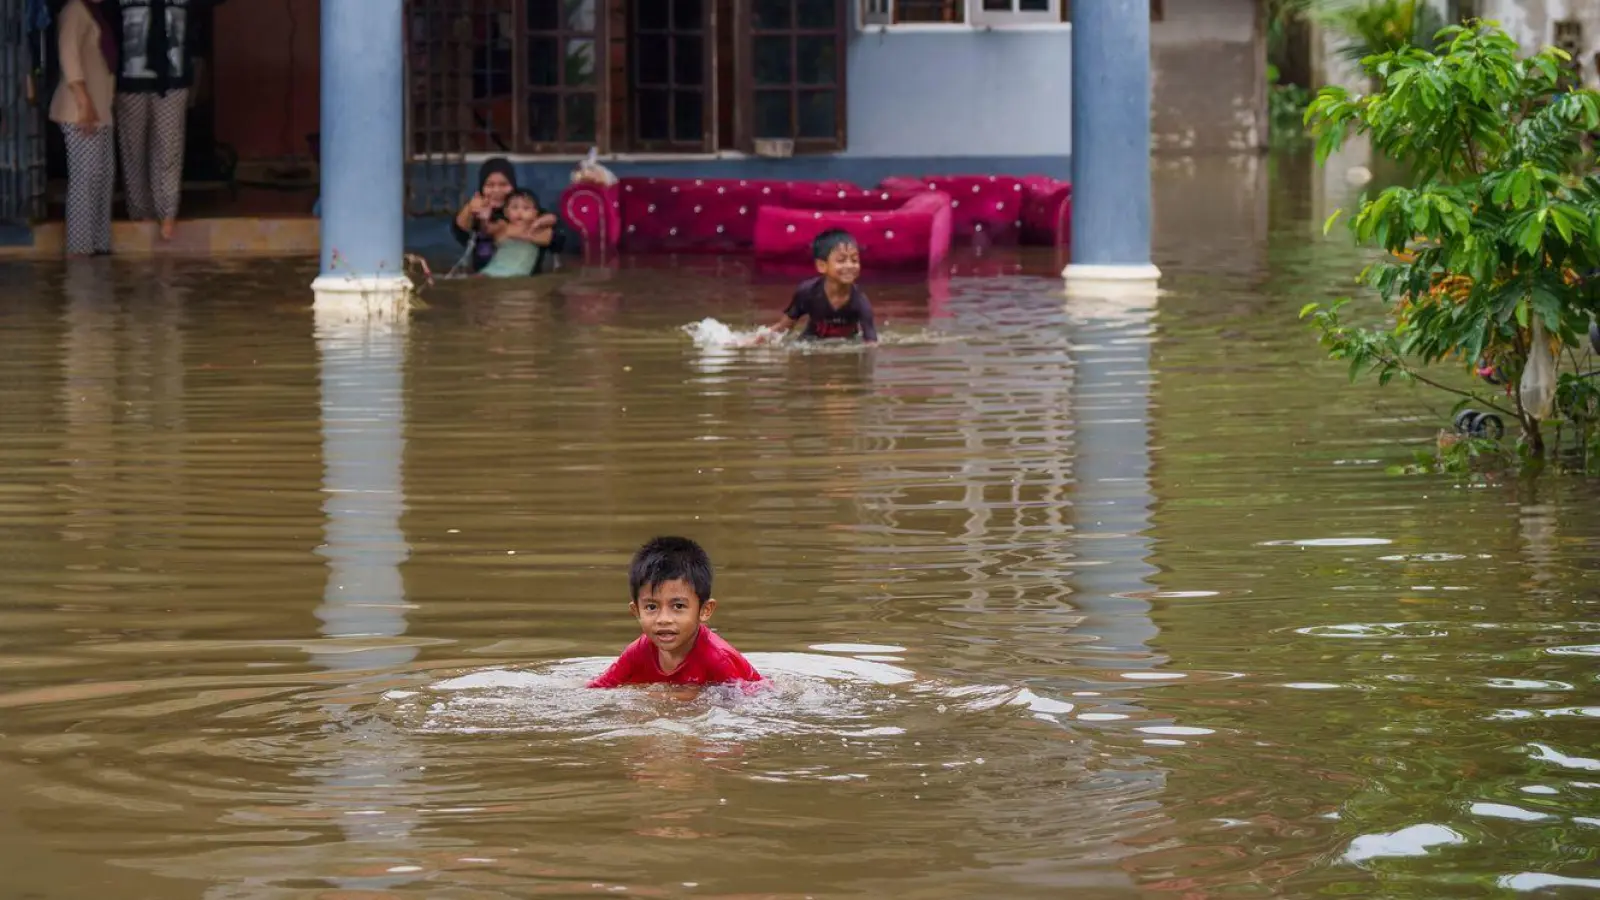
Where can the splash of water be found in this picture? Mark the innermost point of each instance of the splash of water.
(711, 334)
(716, 338)
(805, 693)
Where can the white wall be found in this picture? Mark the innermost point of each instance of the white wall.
(1531, 23)
(960, 93)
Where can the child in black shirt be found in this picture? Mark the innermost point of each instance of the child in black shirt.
(831, 303)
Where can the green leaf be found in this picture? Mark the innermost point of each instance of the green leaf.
(1502, 191)
(1522, 189)
(1308, 309)
(1563, 225)
(1328, 225)
(1420, 217)
(1530, 235)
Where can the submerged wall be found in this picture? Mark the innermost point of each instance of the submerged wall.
(1534, 25)
(1208, 78)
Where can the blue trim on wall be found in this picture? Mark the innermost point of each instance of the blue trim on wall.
(15, 234)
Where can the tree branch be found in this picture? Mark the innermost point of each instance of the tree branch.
(1416, 376)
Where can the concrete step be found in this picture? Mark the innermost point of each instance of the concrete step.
(194, 237)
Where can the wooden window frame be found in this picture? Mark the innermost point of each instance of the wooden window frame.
(523, 90)
(443, 119)
(708, 92)
(744, 68)
(979, 17)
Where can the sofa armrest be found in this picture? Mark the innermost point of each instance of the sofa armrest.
(1047, 212)
(594, 213)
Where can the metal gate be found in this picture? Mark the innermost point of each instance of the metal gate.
(459, 72)
(22, 172)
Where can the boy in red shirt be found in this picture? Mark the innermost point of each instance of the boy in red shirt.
(670, 581)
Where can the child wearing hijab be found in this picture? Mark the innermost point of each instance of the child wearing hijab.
(484, 215)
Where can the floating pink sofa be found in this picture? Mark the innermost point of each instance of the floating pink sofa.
(676, 215)
(901, 231)
(1031, 209)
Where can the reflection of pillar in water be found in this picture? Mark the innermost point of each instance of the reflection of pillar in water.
(1536, 522)
(363, 608)
(363, 441)
(1112, 503)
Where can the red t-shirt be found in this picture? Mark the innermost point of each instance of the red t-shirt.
(711, 660)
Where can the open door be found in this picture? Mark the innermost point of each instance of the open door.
(22, 175)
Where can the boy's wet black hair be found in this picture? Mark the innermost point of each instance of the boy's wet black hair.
(831, 240)
(667, 559)
(525, 194)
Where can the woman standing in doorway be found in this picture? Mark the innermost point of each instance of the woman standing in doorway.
(153, 104)
(82, 107)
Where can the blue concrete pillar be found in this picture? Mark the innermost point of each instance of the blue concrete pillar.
(1111, 140)
(363, 153)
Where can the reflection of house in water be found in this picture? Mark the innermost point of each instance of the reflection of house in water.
(1032, 483)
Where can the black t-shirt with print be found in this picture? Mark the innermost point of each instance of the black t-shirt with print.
(157, 40)
(823, 321)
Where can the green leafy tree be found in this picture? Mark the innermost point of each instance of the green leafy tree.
(1488, 244)
(1370, 27)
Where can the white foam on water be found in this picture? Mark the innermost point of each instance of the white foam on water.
(1416, 840)
(857, 648)
(1329, 542)
(804, 693)
(711, 334)
(719, 341)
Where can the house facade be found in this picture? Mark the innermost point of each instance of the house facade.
(850, 89)
(856, 90)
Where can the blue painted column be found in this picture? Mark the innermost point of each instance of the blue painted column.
(1111, 142)
(363, 159)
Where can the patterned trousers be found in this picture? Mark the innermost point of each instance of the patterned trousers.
(91, 178)
(150, 131)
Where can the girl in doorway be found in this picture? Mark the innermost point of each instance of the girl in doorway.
(82, 107)
(153, 86)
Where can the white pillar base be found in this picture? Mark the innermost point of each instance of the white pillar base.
(1083, 273)
(1125, 294)
(384, 298)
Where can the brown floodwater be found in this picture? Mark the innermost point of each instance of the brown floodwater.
(1057, 598)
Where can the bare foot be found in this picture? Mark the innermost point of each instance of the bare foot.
(168, 226)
